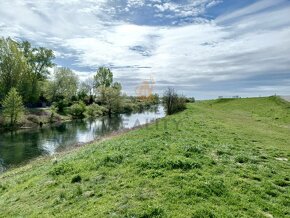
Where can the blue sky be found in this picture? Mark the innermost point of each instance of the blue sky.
(203, 48)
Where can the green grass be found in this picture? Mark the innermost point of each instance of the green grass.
(225, 158)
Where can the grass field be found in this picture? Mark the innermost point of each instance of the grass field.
(223, 158)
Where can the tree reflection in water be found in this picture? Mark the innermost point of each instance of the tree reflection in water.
(18, 147)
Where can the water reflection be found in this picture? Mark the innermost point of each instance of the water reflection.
(18, 147)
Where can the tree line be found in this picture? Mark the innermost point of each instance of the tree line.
(30, 78)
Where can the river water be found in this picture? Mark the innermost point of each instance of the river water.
(18, 147)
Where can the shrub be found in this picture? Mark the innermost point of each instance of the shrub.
(77, 110)
(60, 105)
(172, 102)
(128, 107)
(94, 110)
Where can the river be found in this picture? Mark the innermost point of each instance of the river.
(19, 147)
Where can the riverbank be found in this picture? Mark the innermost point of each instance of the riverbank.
(19, 147)
(36, 117)
(224, 158)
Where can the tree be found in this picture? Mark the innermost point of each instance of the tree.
(117, 86)
(104, 77)
(109, 92)
(23, 67)
(64, 85)
(39, 59)
(173, 102)
(86, 91)
(13, 67)
(13, 107)
(112, 100)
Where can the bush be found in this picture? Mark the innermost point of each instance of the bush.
(172, 102)
(60, 105)
(128, 107)
(77, 110)
(94, 110)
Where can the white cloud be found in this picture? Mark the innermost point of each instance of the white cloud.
(251, 9)
(243, 44)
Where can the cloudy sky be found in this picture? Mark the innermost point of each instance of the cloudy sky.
(203, 48)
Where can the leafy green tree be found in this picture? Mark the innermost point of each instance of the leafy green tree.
(39, 59)
(117, 86)
(13, 107)
(104, 77)
(64, 85)
(86, 91)
(112, 100)
(23, 67)
(13, 67)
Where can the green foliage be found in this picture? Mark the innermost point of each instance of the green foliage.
(23, 67)
(173, 102)
(104, 77)
(128, 106)
(39, 59)
(13, 67)
(112, 100)
(77, 110)
(94, 110)
(13, 107)
(63, 86)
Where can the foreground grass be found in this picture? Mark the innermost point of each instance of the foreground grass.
(225, 158)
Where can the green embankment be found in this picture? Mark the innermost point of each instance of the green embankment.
(227, 158)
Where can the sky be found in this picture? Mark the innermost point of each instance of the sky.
(202, 48)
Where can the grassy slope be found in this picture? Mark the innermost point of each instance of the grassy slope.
(221, 162)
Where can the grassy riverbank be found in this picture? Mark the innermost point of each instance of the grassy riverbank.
(224, 158)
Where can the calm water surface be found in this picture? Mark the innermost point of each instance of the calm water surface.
(18, 147)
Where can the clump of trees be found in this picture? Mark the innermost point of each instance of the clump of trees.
(173, 102)
(24, 68)
(29, 78)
